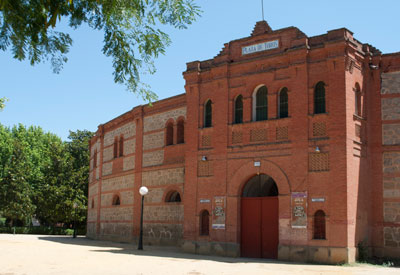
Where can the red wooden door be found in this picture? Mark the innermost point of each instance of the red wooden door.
(269, 227)
(259, 227)
(251, 224)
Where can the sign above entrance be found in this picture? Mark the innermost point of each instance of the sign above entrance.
(265, 46)
(318, 199)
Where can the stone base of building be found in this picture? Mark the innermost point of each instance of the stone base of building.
(212, 248)
(327, 255)
(386, 252)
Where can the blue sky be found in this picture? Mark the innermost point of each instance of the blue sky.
(84, 95)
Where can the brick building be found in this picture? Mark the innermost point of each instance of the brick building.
(283, 146)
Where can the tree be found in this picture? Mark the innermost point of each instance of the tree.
(131, 34)
(2, 102)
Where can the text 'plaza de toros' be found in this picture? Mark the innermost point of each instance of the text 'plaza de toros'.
(283, 146)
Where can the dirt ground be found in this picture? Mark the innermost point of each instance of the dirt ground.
(41, 254)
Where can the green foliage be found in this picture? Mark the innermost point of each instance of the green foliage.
(44, 230)
(3, 103)
(131, 34)
(42, 176)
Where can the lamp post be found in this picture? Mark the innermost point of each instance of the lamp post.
(143, 191)
(75, 205)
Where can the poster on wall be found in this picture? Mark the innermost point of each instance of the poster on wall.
(299, 210)
(218, 217)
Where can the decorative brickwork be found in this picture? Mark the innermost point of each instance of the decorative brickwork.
(126, 197)
(106, 199)
(107, 168)
(108, 154)
(116, 229)
(163, 177)
(129, 146)
(95, 147)
(97, 173)
(319, 129)
(391, 162)
(282, 133)
(318, 162)
(391, 134)
(390, 83)
(206, 141)
(117, 214)
(93, 189)
(128, 130)
(117, 183)
(205, 168)
(153, 158)
(161, 233)
(157, 122)
(391, 212)
(90, 177)
(163, 213)
(392, 236)
(257, 135)
(391, 188)
(152, 141)
(391, 108)
(237, 137)
(129, 163)
(91, 229)
(155, 195)
(92, 215)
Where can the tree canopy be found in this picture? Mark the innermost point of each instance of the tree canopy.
(132, 37)
(42, 176)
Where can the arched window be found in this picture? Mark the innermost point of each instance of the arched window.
(319, 98)
(204, 223)
(208, 114)
(357, 92)
(319, 225)
(283, 105)
(115, 147)
(170, 134)
(116, 200)
(239, 109)
(92, 203)
(121, 146)
(180, 132)
(260, 104)
(173, 196)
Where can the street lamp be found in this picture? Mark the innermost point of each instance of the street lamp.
(143, 191)
(75, 205)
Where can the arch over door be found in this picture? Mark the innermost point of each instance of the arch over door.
(260, 218)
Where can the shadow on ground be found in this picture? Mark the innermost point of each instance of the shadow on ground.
(155, 251)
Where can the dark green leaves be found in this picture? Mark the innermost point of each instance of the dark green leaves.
(132, 37)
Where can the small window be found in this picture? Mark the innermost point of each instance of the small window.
(239, 109)
(173, 196)
(358, 103)
(261, 104)
(204, 223)
(115, 147)
(116, 200)
(92, 203)
(283, 106)
(180, 132)
(208, 114)
(319, 225)
(170, 134)
(121, 146)
(319, 98)
(95, 159)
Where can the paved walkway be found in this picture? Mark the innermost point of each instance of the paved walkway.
(40, 254)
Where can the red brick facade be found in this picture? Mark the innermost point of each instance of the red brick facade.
(334, 155)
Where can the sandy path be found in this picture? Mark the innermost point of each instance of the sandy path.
(34, 254)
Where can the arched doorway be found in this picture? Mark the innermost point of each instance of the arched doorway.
(260, 218)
